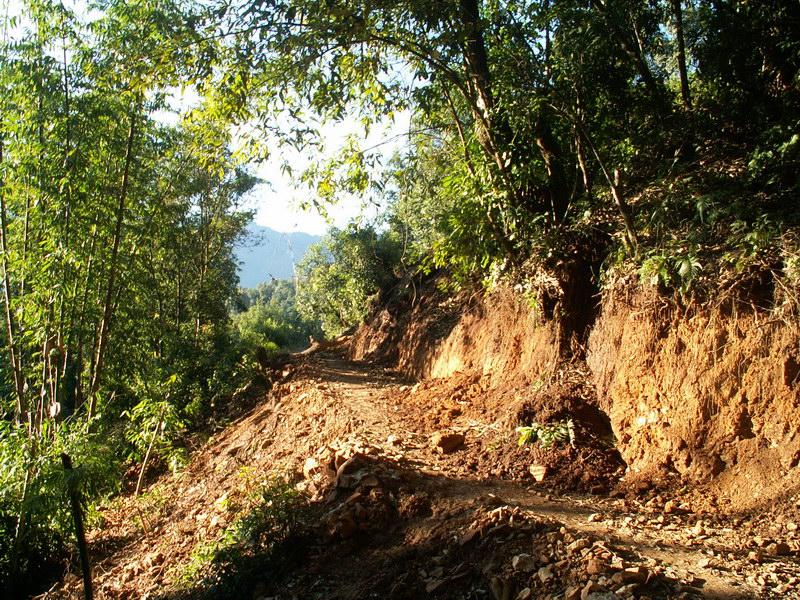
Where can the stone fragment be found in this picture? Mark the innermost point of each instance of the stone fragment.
(779, 549)
(545, 574)
(523, 562)
(617, 562)
(628, 591)
(539, 472)
(469, 535)
(524, 594)
(590, 589)
(704, 563)
(310, 467)
(433, 585)
(596, 567)
(578, 545)
(445, 443)
(572, 593)
(635, 575)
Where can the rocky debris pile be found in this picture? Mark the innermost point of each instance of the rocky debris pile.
(765, 556)
(562, 563)
(361, 489)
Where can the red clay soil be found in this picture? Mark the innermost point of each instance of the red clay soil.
(706, 395)
(394, 516)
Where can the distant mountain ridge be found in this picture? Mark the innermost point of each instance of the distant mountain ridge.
(267, 254)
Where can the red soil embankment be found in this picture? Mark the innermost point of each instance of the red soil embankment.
(710, 396)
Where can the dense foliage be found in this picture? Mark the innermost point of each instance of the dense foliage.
(339, 275)
(116, 237)
(550, 128)
(267, 317)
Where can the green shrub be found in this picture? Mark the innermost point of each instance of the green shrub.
(255, 548)
(547, 434)
(36, 524)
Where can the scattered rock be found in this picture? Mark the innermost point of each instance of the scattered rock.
(635, 575)
(572, 593)
(778, 549)
(539, 472)
(590, 589)
(545, 574)
(596, 567)
(524, 594)
(434, 585)
(578, 545)
(470, 535)
(310, 467)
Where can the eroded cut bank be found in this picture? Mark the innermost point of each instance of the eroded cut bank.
(711, 396)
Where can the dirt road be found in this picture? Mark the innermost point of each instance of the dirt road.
(400, 475)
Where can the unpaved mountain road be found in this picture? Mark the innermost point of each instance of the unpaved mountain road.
(679, 542)
(398, 517)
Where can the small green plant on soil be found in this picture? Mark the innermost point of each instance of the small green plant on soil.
(547, 434)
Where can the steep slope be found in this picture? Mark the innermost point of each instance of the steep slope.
(709, 396)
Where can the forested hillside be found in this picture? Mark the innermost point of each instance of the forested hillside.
(619, 164)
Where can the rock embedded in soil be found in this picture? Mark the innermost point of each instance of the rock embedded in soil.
(572, 593)
(447, 443)
(635, 575)
(310, 467)
(596, 567)
(545, 574)
(778, 549)
(591, 590)
(578, 545)
(539, 472)
(523, 562)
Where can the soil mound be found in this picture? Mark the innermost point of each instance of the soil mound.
(707, 396)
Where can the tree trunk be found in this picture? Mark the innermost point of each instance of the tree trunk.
(105, 323)
(556, 177)
(493, 131)
(634, 49)
(685, 96)
(14, 357)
